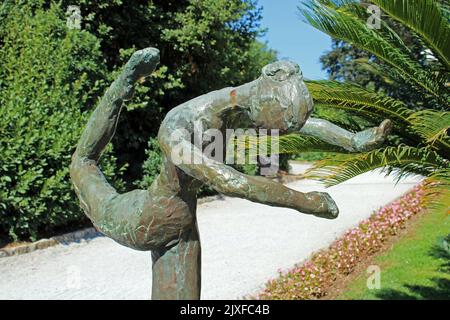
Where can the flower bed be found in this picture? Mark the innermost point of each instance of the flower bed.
(311, 279)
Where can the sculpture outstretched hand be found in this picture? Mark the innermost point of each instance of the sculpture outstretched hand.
(163, 218)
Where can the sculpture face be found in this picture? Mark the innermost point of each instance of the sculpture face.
(282, 100)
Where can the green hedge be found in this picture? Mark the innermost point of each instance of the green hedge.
(49, 80)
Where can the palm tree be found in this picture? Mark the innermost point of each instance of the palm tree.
(422, 132)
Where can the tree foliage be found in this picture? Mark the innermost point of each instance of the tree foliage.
(51, 77)
(205, 45)
(43, 98)
(424, 131)
(349, 63)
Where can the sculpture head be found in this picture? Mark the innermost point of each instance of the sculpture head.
(281, 100)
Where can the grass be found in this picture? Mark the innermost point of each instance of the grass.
(415, 267)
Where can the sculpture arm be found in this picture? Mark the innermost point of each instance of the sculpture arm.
(116, 215)
(231, 182)
(102, 124)
(354, 142)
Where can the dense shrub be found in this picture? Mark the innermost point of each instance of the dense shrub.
(152, 165)
(49, 79)
(205, 45)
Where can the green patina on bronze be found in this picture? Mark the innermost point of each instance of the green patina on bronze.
(163, 218)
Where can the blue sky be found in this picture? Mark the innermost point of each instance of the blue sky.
(292, 38)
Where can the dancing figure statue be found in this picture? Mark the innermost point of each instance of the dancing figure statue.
(163, 218)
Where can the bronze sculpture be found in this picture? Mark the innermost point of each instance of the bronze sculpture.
(163, 218)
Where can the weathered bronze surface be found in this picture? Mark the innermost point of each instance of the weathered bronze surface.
(163, 218)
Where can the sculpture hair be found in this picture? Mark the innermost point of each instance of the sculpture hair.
(280, 73)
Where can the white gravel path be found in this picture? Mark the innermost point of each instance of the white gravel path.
(244, 244)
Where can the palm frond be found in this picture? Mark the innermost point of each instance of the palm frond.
(400, 161)
(344, 119)
(375, 69)
(297, 143)
(355, 31)
(433, 126)
(359, 10)
(425, 18)
(437, 191)
(361, 101)
(286, 144)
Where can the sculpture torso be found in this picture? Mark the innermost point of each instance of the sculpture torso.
(227, 108)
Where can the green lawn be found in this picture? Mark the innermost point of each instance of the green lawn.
(416, 267)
